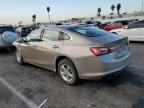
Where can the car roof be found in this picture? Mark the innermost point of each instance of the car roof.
(67, 27)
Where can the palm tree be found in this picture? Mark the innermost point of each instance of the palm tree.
(20, 23)
(34, 19)
(112, 8)
(99, 12)
(48, 10)
(118, 8)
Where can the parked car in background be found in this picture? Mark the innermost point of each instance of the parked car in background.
(7, 36)
(75, 52)
(106, 23)
(117, 24)
(26, 31)
(95, 23)
(134, 31)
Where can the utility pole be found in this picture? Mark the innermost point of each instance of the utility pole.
(142, 6)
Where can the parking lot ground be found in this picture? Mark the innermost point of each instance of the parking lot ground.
(125, 90)
(8, 99)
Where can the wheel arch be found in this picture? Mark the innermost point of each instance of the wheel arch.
(61, 58)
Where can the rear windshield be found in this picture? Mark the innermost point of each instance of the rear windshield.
(89, 31)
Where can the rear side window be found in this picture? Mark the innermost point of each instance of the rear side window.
(89, 31)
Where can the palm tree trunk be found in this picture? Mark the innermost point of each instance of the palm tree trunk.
(49, 17)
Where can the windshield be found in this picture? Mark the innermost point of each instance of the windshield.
(89, 31)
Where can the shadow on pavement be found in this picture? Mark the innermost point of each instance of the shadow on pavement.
(5, 51)
(115, 80)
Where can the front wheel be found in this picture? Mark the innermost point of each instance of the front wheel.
(68, 72)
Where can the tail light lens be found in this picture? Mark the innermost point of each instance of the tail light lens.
(99, 51)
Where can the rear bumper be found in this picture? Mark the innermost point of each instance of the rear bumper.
(100, 75)
(100, 67)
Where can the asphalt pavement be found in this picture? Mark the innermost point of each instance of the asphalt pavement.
(125, 90)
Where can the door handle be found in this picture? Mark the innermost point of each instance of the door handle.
(55, 46)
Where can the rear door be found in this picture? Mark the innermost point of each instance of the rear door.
(135, 31)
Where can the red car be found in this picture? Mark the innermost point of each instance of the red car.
(117, 24)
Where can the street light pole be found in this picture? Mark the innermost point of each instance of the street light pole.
(142, 6)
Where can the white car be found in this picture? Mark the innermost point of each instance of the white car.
(134, 31)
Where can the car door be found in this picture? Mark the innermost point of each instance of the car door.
(29, 49)
(49, 48)
(135, 31)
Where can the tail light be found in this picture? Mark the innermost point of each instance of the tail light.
(99, 51)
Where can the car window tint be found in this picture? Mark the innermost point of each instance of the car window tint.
(116, 24)
(34, 36)
(51, 35)
(136, 25)
(89, 31)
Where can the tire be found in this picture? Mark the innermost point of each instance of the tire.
(19, 57)
(68, 72)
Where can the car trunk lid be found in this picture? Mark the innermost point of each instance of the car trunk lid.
(118, 44)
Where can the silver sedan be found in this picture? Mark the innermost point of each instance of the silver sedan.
(75, 52)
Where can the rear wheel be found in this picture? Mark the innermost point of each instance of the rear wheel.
(68, 72)
(19, 57)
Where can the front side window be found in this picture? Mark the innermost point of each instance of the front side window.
(136, 25)
(51, 35)
(34, 36)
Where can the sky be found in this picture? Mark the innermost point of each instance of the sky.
(13, 11)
